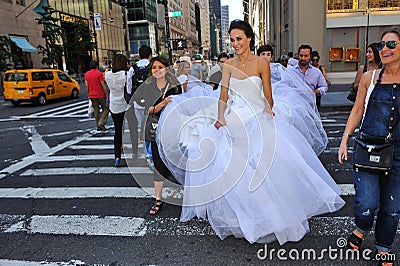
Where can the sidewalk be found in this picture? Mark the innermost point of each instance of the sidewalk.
(336, 97)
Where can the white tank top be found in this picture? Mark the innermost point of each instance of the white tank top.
(369, 91)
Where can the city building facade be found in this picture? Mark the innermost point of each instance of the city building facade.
(215, 26)
(225, 28)
(351, 25)
(142, 25)
(285, 24)
(19, 19)
(339, 29)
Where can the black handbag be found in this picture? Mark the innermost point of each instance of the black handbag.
(151, 127)
(352, 93)
(152, 122)
(373, 155)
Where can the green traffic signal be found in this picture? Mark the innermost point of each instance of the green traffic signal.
(162, 2)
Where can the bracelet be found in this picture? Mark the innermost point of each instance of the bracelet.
(346, 135)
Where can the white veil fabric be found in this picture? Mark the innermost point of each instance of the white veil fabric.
(191, 113)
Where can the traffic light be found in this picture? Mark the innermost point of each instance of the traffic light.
(162, 2)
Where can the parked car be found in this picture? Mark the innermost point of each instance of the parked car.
(38, 86)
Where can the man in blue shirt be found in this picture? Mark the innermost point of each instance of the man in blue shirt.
(310, 75)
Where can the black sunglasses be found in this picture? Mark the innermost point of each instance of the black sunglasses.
(389, 44)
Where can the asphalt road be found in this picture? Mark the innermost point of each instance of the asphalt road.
(62, 202)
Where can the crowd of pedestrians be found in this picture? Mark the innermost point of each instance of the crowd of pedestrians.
(373, 83)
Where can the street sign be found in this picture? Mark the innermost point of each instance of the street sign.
(178, 44)
(97, 21)
(176, 13)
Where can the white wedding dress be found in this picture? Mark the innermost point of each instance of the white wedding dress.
(257, 177)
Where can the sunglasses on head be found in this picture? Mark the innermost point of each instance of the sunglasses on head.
(389, 44)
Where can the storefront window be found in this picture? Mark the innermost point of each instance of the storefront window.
(342, 4)
(384, 3)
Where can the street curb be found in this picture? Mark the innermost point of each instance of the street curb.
(335, 108)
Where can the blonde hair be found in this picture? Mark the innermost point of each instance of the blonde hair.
(181, 67)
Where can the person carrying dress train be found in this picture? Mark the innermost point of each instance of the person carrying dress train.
(310, 75)
(377, 108)
(248, 171)
(155, 94)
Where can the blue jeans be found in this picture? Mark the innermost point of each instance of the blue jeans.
(147, 149)
(382, 193)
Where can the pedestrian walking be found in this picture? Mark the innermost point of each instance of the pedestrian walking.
(372, 62)
(315, 57)
(376, 107)
(310, 75)
(155, 94)
(97, 91)
(135, 115)
(116, 81)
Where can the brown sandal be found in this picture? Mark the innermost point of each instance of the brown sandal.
(156, 207)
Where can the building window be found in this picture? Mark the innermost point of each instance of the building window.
(20, 2)
(8, 1)
(342, 4)
(383, 3)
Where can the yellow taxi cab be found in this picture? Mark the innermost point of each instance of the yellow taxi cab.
(38, 86)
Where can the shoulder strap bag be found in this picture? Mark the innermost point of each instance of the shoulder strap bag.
(373, 153)
(152, 122)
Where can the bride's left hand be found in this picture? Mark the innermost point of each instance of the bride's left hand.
(269, 111)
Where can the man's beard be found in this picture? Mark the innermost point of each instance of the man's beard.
(303, 63)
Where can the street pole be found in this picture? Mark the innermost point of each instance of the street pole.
(367, 28)
(167, 32)
(95, 36)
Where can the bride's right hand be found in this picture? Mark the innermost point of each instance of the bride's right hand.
(220, 123)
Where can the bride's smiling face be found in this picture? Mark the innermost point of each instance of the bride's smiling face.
(239, 41)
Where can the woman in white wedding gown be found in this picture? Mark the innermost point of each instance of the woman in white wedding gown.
(251, 174)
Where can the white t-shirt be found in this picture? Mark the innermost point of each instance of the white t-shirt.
(116, 82)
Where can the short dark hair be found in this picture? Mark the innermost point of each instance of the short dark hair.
(290, 54)
(93, 64)
(304, 46)
(119, 63)
(145, 51)
(315, 54)
(265, 48)
(222, 55)
(244, 26)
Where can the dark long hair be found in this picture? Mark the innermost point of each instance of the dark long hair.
(171, 79)
(119, 63)
(244, 26)
(377, 58)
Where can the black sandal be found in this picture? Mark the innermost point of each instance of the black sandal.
(386, 259)
(354, 242)
(156, 207)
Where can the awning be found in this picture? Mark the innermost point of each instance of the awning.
(23, 43)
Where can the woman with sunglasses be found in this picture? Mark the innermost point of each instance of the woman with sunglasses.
(372, 62)
(376, 106)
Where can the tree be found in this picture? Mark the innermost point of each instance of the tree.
(52, 34)
(5, 55)
(79, 42)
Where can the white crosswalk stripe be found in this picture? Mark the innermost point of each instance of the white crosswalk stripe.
(109, 225)
(72, 110)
